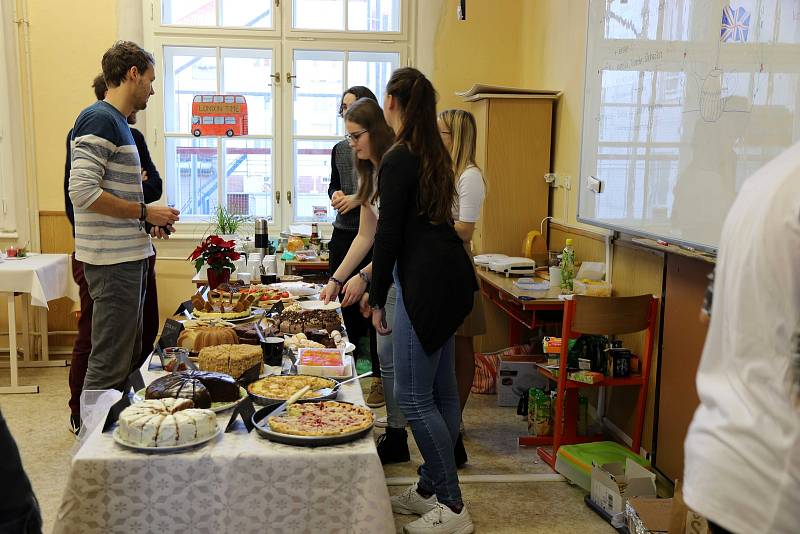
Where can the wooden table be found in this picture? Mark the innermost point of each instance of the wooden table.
(525, 309)
(292, 266)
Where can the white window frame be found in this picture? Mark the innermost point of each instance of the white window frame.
(283, 41)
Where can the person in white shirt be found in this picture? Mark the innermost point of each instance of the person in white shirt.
(742, 451)
(459, 133)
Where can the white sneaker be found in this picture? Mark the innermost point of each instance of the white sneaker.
(382, 422)
(442, 520)
(410, 502)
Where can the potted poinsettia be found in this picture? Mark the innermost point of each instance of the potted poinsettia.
(219, 254)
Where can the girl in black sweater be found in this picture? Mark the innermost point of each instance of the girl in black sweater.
(417, 246)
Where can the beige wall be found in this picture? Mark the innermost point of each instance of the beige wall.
(485, 48)
(67, 42)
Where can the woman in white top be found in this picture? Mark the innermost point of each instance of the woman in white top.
(458, 131)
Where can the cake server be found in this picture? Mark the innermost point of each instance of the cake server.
(324, 392)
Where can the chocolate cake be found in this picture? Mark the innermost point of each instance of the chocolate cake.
(202, 387)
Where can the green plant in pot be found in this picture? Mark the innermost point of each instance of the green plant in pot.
(227, 223)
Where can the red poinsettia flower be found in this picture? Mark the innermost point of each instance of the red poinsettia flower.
(216, 252)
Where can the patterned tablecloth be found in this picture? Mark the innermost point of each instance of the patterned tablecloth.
(238, 483)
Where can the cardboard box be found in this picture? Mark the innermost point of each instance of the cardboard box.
(646, 515)
(613, 484)
(515, 375)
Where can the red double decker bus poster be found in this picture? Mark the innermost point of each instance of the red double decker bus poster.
(219, 115)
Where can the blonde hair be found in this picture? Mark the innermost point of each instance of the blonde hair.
(463, 133)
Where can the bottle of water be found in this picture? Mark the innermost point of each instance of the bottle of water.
(567, 268)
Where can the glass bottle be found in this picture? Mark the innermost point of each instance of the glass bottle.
(567, 268)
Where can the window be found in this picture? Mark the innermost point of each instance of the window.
(286, 65)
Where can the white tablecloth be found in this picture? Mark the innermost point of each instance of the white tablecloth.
(45, 276)
(238, 483)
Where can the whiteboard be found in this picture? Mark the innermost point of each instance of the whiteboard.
(684, 99)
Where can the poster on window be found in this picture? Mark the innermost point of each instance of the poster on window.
(218, 115)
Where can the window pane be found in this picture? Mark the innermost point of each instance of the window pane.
(318, 14)
(371, 69)
(189, 12)
(317, 90)
(191, 170)
(247, 13)
(187, 72)
(248, 177)
(244, 73)
(312, 171)
(373, 15)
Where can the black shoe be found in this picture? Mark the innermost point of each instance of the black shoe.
(460, 452)
(393, 446)
(74, 424)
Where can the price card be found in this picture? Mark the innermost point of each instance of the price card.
(169, 333)
(245, 410)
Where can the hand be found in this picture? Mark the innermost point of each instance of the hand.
(363, 305)
(144, 175)
(162, 215)
(159, 233)
(345, 203)
(353, 290)
(379, 321)
(329, 292)
(335, 196)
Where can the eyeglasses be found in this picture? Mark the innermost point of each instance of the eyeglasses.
(353, 137)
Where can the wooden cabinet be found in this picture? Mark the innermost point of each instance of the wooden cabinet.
(513, 150)
(514, 136)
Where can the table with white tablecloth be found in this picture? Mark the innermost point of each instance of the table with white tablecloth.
(237, 483)
(38, 279)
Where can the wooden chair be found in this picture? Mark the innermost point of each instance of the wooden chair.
(598, 316)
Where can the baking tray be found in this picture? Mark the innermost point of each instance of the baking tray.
(303, 441)
(267, 401)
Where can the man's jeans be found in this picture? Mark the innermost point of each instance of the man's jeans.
(118, 294)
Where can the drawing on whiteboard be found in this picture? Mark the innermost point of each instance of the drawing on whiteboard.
(735, 25)
(735, 28)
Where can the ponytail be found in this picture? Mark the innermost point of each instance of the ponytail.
(420, 134)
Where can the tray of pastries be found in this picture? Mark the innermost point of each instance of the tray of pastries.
(314, 424)
(228, 306)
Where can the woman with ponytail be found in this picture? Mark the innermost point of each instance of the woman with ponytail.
(417, 247)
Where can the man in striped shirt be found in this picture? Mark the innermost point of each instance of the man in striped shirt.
(106, 191)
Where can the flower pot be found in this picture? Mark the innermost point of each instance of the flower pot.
(215, 278)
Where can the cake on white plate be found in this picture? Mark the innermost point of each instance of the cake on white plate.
(165, 423)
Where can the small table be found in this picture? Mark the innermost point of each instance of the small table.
(525, 308)
(38, 278)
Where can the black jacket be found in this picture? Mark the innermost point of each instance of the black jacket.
(436, 274)
(152, 188)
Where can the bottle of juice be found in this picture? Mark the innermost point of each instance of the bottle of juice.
(567, 268)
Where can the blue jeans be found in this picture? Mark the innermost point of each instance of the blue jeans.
(428, 395)
(394, 416)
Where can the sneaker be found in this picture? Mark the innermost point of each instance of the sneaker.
(442, 520)
(393, 446)
(375, 398)
(410, 502)
(460, 452)
(74, 425)
(382, 422)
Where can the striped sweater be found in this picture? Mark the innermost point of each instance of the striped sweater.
(104, 158)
